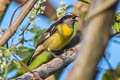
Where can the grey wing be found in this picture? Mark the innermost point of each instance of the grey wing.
(50, 31)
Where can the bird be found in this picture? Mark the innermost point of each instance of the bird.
(56, 36)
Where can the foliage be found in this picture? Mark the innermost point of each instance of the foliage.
(117, 22)
(112, 74)
(38, 33)
(7, 64)
(36, 10)
(61, 10)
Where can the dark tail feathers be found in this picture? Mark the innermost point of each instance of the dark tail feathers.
(31, 58)
(29, 61)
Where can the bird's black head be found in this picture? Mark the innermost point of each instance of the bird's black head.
(69, 18)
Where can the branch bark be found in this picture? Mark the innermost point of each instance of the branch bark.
(50, 11)
(12, 29)
(3, 6)
(19, 1)
(95, 37)
(80, 9)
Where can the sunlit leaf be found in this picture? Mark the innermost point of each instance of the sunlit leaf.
(2, 48)
(20, 69)
(7, 53)
(11, 65)
(117, 22)
(108, 76)
(70, 6)
(118, 71)
(24, 52)
(35, 30)
(112, 74)
(117, 26)
(13, 49)
(38, 35)
(40, 59)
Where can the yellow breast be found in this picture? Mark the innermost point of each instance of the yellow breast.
(64, 30)
(60, 38)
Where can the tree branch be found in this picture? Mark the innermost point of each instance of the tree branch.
(19, 1)
(81, 9)
(50, 10)
(12, 29)
(95, 38)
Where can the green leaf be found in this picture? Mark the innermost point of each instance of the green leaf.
(2, 48)
(11, 65)
(13, 49)
(75, 30)
(117, 26)
(1, 78)
(35, 30)
(40, 59)
(117, 22)
(117, 16)
(38, 35)
(24, 52)
(70, 6)
(1, 54)
(118, 71)
(7, 53)
(108, 76)
(20, 69)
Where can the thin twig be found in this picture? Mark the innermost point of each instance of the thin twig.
(27, 68)
(108, 62)
(16, 10)
(20, 5)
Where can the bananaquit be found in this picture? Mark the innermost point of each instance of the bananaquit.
(56, 36)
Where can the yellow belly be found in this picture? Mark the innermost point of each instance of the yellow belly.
(59, 39)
